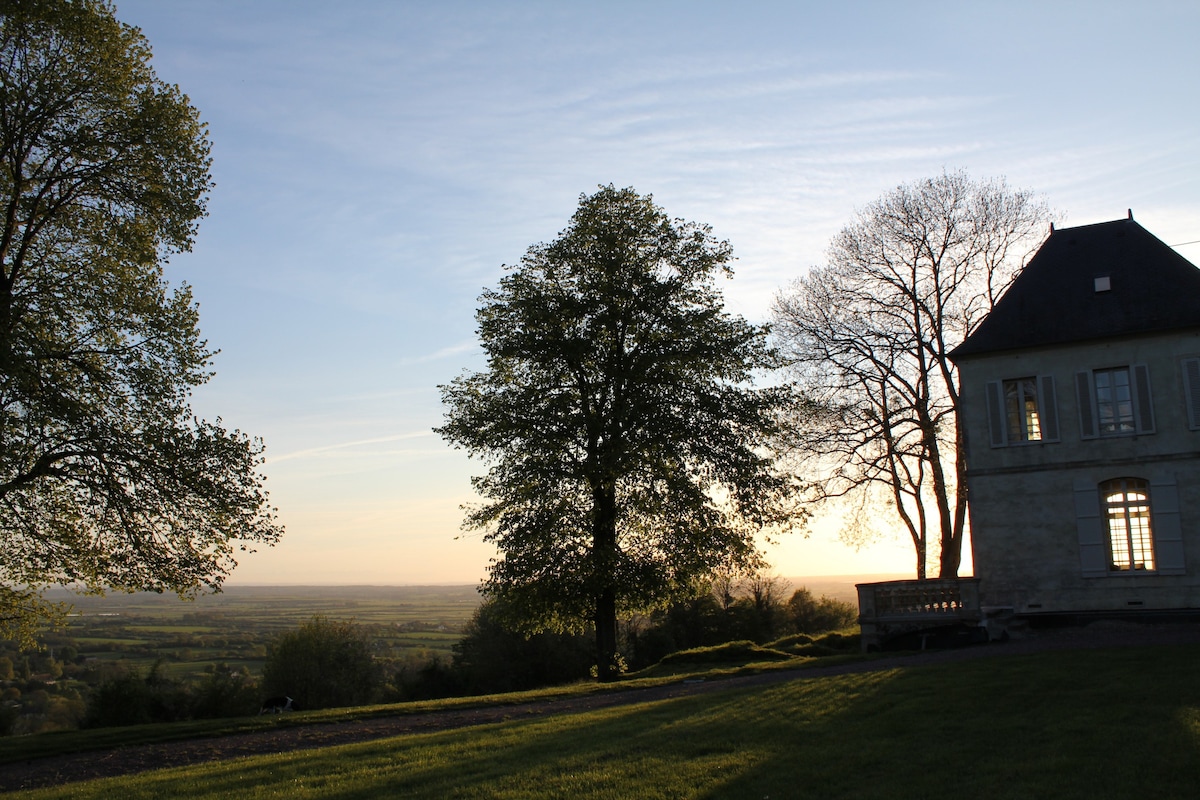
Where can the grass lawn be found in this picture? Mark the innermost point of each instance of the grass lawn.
(1080, 724)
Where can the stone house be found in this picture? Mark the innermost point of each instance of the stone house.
(1081, 401)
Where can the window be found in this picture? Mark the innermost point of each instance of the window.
(1127, 519)
(1114, 401)
(1191, 391)
(1120, 533)
(1022, 410)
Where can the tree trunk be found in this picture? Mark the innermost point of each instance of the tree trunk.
(606, 637)
(951, 557)
(604, 554)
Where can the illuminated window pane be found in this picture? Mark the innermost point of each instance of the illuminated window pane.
(1033, 426)
(1021, 410)
(1127, 512)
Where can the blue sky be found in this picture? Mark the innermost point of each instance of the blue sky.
(377, 163)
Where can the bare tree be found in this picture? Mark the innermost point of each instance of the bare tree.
(868, 336)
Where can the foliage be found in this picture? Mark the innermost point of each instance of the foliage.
(42, 710)
(493, 658)
(809, 614)
(106, 477)
(225, 692)
(753, 610)
(23, 612)
(868, 336)
(128, 698)
(758, 614)
(323, 664)
(698, 621)
(426, 677)
(623, 439)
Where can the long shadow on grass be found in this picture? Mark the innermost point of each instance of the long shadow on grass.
(1084, 724)
(1080, 724)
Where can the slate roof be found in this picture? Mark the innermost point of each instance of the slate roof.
(1054, 299)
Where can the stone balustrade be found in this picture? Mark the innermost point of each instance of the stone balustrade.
(892, 608)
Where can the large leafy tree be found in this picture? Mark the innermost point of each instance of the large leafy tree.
(616, 413)
(106, 478)
(868, 337)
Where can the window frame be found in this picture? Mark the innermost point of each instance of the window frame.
(1115, 412)
(1166, 527)
(1141, 401)
(1046, 409)
(1191, 391)
(1136, 532)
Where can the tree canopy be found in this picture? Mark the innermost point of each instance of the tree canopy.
(868, 335)
(324, 663)
(625, 442)
(107, 480)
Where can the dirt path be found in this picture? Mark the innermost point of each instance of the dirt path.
(57, 770)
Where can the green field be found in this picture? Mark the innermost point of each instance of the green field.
(204, 657)
(1079, 724)
(236, 626)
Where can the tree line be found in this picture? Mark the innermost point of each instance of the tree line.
(328, 663)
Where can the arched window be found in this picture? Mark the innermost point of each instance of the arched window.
(1127, 515)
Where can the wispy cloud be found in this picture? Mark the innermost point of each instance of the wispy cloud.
(437, 355)
(312, 451)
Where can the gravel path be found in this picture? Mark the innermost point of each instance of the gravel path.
(59, 770)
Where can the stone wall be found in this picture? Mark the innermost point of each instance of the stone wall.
(1027, 499)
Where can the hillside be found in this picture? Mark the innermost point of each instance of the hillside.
(1059, 712)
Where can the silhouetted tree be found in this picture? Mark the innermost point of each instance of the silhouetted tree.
(107, 479)
(868, 336)
(624, 439)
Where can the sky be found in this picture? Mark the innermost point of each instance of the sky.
(378, 163)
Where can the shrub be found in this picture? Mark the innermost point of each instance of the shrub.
(129, 699)
(9, 713)
(225, 692)
(425, 679)
(323, 664)
(492, 657)
(810, 615)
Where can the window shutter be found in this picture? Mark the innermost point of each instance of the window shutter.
(1093, 550)
(1165, 525)
(1191, 390)
(1144, 410)
(1087, 411)
(1048, 408)
(995, 406)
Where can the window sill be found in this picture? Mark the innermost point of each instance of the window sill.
(1138, 573)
